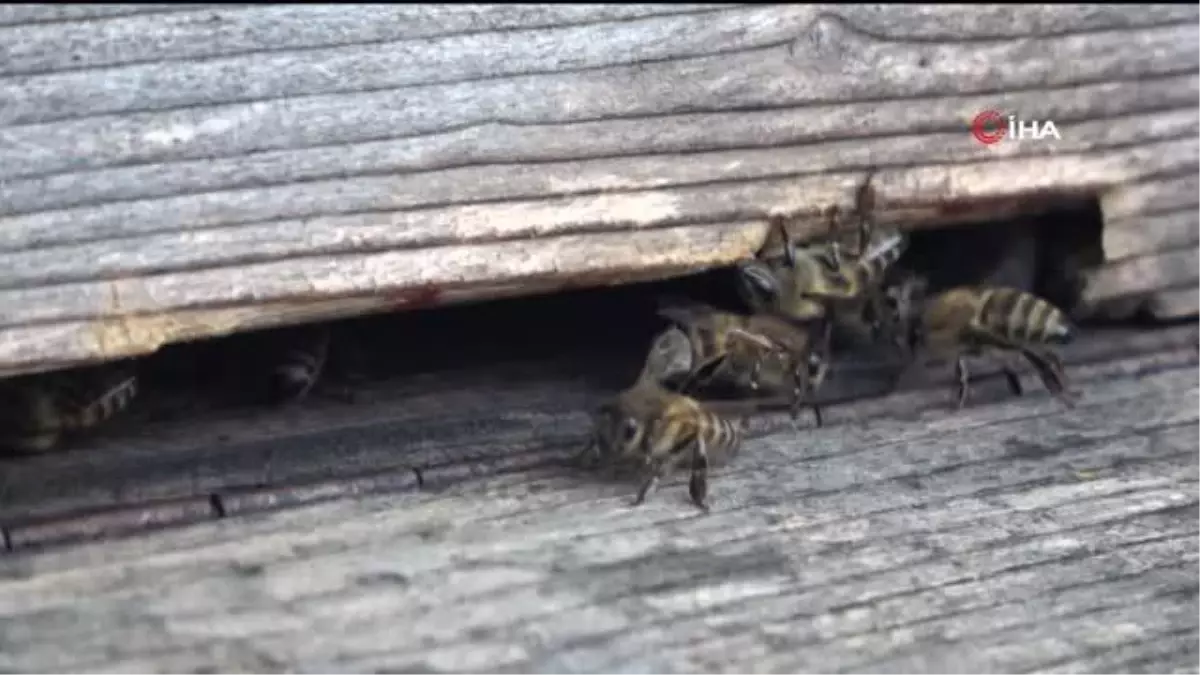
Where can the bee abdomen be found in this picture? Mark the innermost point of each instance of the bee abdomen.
(1022, 316)
(106, 405)
(724, 434)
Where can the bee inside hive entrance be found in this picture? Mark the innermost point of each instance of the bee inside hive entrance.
(372, 391)
(595, 338)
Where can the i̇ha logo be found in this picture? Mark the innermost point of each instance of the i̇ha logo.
(990, 127)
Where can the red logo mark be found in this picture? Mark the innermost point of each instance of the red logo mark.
(988, 127)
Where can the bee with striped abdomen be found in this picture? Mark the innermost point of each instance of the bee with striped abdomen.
(36, 411)
(707, 346)
(823, 284)
(967, 321)
(659, 429)
(817, 285)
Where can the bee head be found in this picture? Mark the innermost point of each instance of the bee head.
(758, 284)
(617, 432)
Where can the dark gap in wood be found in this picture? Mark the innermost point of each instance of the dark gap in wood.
(1044, 251)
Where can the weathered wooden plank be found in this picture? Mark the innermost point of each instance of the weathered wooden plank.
(775, 38)
(1175, 303)
(1159, 195)
(217, 31)
(787, 75)
(652, 176)
(1151, 233)
(932, 184)
(1019, 536)
(404, 425)
(1142, 221)
(226, 30)
(1143, 275)
(255, 165)
(29, 15)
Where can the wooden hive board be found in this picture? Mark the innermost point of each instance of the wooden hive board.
(904, 536)
(172, 172)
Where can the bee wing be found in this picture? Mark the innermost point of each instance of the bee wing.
(670, 355)
(885, 246)
(681, 310)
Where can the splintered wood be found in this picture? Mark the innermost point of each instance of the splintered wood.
(175, 172)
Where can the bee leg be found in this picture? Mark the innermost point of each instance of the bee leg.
(656, 470)
(802, 389)
(1052, 373)
(881, 325)
(698, 486)
(1048, 366)
(964, 377)
(1059, 369)
(789, 248)
(826, 347)
(647, 485)
(589, 456)
(833, 224)
(799, 387)
(756, 374)
(1014, 382)
(815, 378)
(864, 204)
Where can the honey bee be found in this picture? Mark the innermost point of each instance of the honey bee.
(967, 321)
(707, 346)
(820, 286)
(37, 411)
(649, 425)
(822, 283)
(305, 351)
(903, 299)
(864, 206)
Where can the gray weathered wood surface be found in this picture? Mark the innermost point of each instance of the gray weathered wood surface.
(168, 172)
(1012, 536)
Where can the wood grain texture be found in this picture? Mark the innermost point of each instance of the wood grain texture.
(1176, 303)
(1014, 535)
(230, 166)
(1148, 228)
(187, 457)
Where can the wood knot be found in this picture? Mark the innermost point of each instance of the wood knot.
(826, 39)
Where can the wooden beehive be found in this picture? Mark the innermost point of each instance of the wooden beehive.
(179, 171)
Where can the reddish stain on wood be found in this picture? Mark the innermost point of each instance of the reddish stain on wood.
(425, 295)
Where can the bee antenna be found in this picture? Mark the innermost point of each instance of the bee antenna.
(864, 206)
